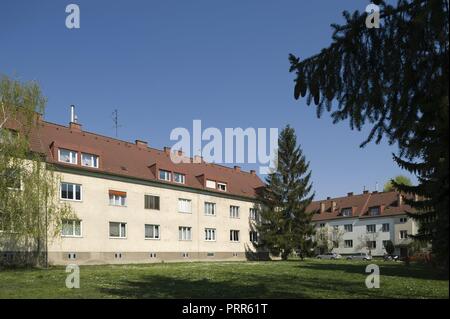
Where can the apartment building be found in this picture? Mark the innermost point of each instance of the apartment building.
(365, 222)
(134, 205)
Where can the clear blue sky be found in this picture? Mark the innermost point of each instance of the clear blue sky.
(165, 63)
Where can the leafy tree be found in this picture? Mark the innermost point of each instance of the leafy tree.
(394, 78)
(400, 180)
(389, 247)
(285, 225)
(29, 207)
(327, 238)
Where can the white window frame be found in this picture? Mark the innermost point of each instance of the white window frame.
(220, 185)
(210, 212)
(234, 211)
(211, 184)
(113, 200)
(183, 178)
(73, 222)
(403, 220)
(120, 230)
(254, 236)
(403, 232)
(94, 160)
(347, 212)
(376, 209)
(73, 156)
(73, 191)
(167, 175)
(253, 213)
(185, 208)
(374, 228)
(185, 233)
(371, 247)
(210, 234)
(348, 228)
(156, 230)
(388, 227)
(233, 233)
(347, 241)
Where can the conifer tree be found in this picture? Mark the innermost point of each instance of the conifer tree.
(394, 78)
(285, 225)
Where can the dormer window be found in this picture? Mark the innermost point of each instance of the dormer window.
(347, 212)
(210, 184)
(89, 160)
(222, 187)
(179, 178)
(67, 156)
(374, 211)
(165, 175)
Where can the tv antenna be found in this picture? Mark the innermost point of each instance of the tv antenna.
(115, 117)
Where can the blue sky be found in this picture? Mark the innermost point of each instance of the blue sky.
(165, 63)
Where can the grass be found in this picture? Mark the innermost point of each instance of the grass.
(277, 279)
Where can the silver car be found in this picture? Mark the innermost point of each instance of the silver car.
(359, 256)
(329, 256)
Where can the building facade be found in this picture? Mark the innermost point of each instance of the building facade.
(133, 204)
(363, 223)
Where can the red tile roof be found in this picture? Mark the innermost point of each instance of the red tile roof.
(360, 204)
(137, 161)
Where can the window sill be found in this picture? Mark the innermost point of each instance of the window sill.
(69, 236)
(152, 238)
(71, 200)
(117, 237)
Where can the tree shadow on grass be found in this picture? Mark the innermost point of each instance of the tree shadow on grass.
(277, 286)
(413, 271)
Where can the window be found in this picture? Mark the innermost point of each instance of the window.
(385, 228)
(118, 255)
(12, 179)
(151, 231)
(374, 211)
(185, 255)
(348, 228)
(184, 205)
(71, 191)
(210, 234)
(385, 243)
(184, 233)
(67, 156)
(253, 236)
(371, 228)
(210, 209)
(403, 220)
(179, 178)
(234, 211)
(117, 198)
(210, 254)
(222, 187)
(253, 214)
(165, 175)
(151, 202)
(234, 235)
(89, 160)
(72, 256)
(322, 225)
(348, 243)
(210, 184)
(347, 212)
(71, 228)
(152, 255)
(371, 244)
(403, 234)
(117, 230)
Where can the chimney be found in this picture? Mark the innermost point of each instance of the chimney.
(74, 125)
(253, 172)
(328, 198)
(322, 207)
(166, 149)
(350, 194)
(333, 206)
(366, 192)
(237, 168)
(141, 143)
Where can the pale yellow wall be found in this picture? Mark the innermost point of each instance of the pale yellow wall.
(96, 213)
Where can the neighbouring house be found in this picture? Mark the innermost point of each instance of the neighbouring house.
(364, 222)
(134, 205)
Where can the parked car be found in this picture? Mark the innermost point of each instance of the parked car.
(391, 257)
(359, 256)
(329, 256)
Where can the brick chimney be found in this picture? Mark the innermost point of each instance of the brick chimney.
(253, 172)
(399, 199)
(333, 206)
(350, 194)
(141, 143)
(322, 207)
(237, 168)
(166, 149)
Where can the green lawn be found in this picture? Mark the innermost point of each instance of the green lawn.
(291, 279)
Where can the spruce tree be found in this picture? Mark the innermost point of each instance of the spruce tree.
(285, 225)
(394, 78)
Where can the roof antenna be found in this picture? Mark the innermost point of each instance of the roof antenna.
(115, 117)
(376, 186)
